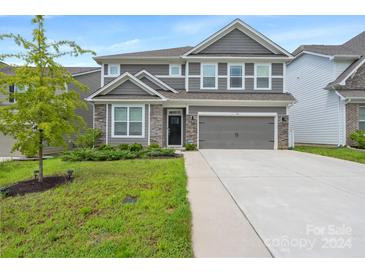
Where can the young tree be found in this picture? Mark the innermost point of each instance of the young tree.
(44, 112)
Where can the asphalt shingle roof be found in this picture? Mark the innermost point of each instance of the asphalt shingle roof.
(73, 70)
(170, 52)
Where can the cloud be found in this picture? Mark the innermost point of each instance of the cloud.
(126, 45)
(195, 26)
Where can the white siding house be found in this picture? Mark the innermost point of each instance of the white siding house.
(318, 116)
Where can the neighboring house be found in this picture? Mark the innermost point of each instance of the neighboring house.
(328, 82)
(89, 76)
(226, 92)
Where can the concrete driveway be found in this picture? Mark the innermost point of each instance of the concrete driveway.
(301, 205)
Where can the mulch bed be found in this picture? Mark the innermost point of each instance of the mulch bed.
(33, 185)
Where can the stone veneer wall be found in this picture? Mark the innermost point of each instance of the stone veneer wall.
(100, 121)
(191, 129)
(352, 121)
(283, 131)
(156, 135)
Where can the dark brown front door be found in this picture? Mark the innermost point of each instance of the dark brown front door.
(174, 130)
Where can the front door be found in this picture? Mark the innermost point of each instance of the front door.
(174, 130)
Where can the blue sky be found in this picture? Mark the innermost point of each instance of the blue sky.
(118, 34)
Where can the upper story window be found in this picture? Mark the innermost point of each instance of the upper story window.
(263, 76)
(236, 76)
(111, 70)
(15, 89)
(127, 121)
(175, 70)
(209, 76)
(362, 118)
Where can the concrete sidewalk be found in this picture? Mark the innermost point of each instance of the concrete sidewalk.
(220, 229)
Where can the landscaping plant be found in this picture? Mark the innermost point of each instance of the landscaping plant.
(190, 147)
(41, 114)
(359, 137)
(88, 139)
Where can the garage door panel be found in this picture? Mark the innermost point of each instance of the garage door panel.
(227, 132)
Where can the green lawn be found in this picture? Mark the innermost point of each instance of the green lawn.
(341, 153)
(87, 218)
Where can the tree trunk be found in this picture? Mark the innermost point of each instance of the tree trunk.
(40, 156)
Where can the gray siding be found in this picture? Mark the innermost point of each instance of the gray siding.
(277, 69)
(236, 42)
(222, 69)
(92, 81)
(155, 69)
(108, 80)
(249, 84)
(117, 141)
(194, 68)
(150, 83)
(195, 109)
(277, 84)
(222, 84)
(176, 83)
(249, 69)
(128, 88)
(194, 84)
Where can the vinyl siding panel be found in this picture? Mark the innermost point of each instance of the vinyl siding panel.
(249, 84)
(128, 88)
(236, 42)
(277, 69)
(277, 84)
(150, 83)
(222, 84)
(316, 117)
(176, 83)
(155, 69)
(108, 80)
(196, 109)
(222, 69)
(249, 69)
(194, 84)
(117, 141)
(194, 68)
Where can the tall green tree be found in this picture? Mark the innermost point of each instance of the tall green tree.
(44, 111)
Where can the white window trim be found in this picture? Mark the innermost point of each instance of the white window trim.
(170, 70)
(128, 136)
(229, 76)
(202, 76)
(113, 75)
(361, 121)
(255, 76)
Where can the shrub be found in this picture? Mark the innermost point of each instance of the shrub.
(154, 145)
(105, 147)
(359, 137)
(123, 147)
(135, 147)
(190, 147)
(89, 138)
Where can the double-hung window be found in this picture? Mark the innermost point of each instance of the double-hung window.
(175, 70)
(362, 118)
(127, 121)
(263, 76)
(111, 70)
(236, 76)
(209, 76)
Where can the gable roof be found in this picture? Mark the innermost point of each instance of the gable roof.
(120, 80)
(354, 46)
(154, 79)
(247, 30)
(160, 53)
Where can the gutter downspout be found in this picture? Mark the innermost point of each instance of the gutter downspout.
(344, 135)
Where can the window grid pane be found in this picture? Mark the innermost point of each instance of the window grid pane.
(263, 71)
(135, 114)
(362, 114)
(236, 82)
(362, 125)
(120, 114)
(209, 82)
(175, 70)
(262, 82)
(135, 128)
(120, 128)
(236, 71)
(209, 70)
(113, 69)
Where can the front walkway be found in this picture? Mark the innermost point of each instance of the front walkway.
(220, 229)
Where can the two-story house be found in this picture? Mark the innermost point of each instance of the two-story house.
(226, 92)
(328, 82)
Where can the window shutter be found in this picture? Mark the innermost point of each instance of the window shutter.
(11, 94)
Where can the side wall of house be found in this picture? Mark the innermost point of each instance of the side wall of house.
(318, 115)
